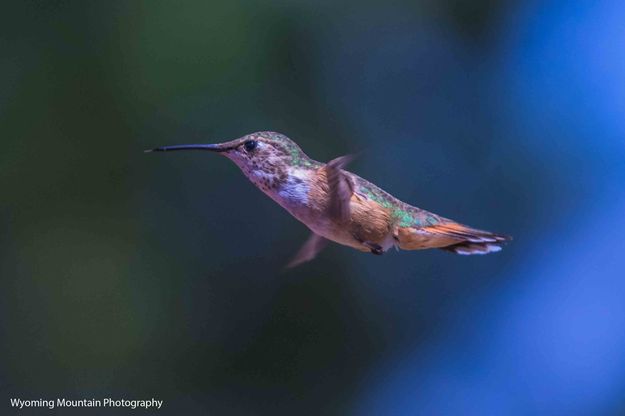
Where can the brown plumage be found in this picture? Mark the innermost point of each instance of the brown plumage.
(450, 236)
(341, 206)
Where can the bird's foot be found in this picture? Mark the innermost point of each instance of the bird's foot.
(375, 248)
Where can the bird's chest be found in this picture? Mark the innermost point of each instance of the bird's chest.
(293, 194)
(290, 188)
(300, 196)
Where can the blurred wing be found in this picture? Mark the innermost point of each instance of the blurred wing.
(340, 187)
(309, 250)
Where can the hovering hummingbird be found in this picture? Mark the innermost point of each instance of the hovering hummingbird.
(340, 206)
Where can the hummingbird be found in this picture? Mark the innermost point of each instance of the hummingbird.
(338, 205)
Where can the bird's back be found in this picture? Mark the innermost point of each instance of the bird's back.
(414, 228)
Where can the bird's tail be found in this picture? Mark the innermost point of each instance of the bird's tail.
(451, 236)
(474, 241)
(468, 249)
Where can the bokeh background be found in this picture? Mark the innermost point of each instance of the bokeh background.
(130, 275)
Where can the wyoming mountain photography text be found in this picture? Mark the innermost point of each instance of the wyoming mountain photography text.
(85, 403)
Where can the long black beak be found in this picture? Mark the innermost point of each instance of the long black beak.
(206, 147)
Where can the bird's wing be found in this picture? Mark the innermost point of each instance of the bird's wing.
(309, 250)
(340, 188)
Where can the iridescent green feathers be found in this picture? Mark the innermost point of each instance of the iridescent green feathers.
(288, 146)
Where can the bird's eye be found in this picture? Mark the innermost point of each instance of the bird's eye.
(250, 145)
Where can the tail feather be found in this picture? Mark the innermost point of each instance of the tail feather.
(467, 249)
(475, 241)
(453, 237)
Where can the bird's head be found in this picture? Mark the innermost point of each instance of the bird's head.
(266, 157)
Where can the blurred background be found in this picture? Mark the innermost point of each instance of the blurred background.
(134, 276)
